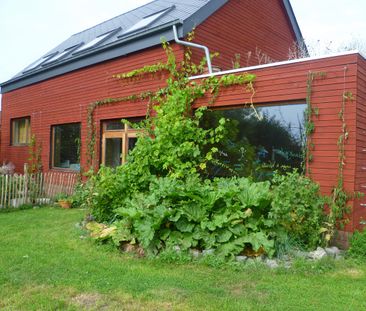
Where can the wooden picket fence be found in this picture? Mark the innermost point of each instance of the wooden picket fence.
(39, 188)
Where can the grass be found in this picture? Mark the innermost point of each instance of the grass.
(47, 264)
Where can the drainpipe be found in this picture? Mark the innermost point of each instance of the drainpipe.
(194, 45)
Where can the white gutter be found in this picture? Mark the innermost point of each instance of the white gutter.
(295, 61)
(194, 45)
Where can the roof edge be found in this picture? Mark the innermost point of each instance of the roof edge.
(202, 14)
(276, 64)
(294, 24)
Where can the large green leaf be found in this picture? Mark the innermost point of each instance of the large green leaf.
(183, 225)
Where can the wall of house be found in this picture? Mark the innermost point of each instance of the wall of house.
(255, 29)
(64, 99)
(360, 176)
(288, 83)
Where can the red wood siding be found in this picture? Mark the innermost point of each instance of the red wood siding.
(65, 99)
(360, 176)
(243, 26)
(287, 83)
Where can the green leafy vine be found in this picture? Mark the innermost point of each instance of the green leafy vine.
(178, 75)
(310, 113)
(340, 197)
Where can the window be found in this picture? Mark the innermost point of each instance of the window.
(59, 55)
(147, 20)
(255, 146)
(117, 140)
(38, 62)
(66, 146)
(20, 131)
(97, 40)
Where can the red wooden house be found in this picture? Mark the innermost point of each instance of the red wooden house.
(49, 99)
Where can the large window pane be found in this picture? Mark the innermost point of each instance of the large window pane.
(20, 131)
(259, 141)
(65, 143)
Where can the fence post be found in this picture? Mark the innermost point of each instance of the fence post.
(26, 182)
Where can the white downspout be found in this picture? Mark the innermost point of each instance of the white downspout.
(194, 45)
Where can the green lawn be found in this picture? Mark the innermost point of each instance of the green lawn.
(46, 264)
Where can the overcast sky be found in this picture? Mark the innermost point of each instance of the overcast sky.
(30, 28)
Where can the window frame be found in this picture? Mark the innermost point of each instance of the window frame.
(12, 131)
(124, 134)
(52, 148)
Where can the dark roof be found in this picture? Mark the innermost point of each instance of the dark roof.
(117, 40)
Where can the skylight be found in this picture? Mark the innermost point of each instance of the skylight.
(146, 21)
(60, 55)
(38, 62)
(93, 42)
(97, 40)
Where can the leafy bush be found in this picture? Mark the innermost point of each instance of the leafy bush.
(230, 215)
(225, 214)
(357, 248)
(298, 209)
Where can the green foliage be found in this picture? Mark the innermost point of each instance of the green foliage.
(35, 156)
(160, 199)
(173, 108)
(229, 215)
(298, 209)
(225, 214)
(357, 248)
(142, 71)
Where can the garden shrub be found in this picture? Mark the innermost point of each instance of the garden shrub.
(229, 215)
(224, 214)
(298, 209)
(357, 247)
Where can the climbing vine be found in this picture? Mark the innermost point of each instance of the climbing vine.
(178, 77)
(339, 196)
(338, 207)
(310, 113)
(34, 156)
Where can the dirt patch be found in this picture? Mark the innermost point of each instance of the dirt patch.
(119, 301)
(352, 272)
(90, 301)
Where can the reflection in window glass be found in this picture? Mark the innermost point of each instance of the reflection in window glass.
(65, 146)
(114, 125)
(131, 143)
(146, 21)
(113, 152)
(254, 146)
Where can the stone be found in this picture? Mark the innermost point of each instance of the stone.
(177, 248)
(241, 258)
(271, 263)
(194, 252)
(319, 253)
(333, 251)
(208, 252)
(300, 254)
(287, 264)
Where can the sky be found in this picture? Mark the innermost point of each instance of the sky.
(30, 28)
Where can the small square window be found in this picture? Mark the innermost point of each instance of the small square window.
(20, 131)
